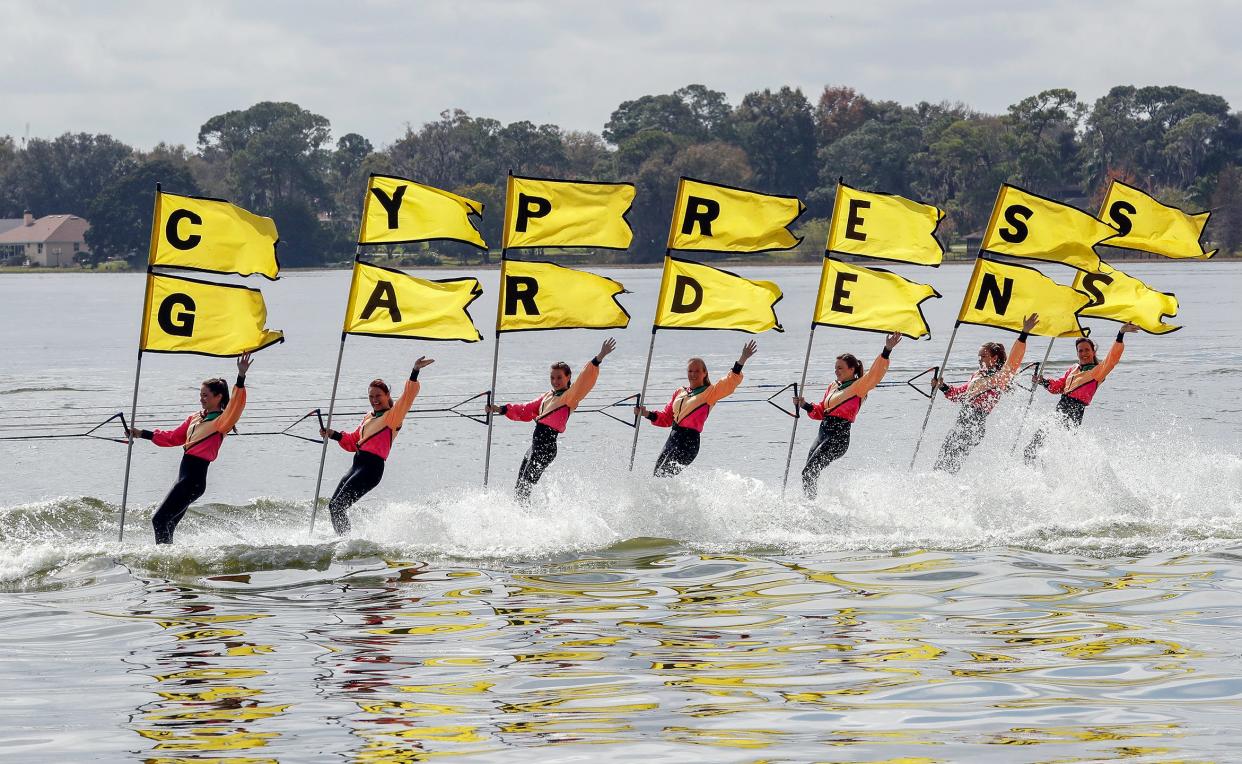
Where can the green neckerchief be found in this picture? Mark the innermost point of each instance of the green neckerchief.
(562, 391)
(210, 415)
(380, 412)
(1087, 366)
(698, 389)
(842, 385)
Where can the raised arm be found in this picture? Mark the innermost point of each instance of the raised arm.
(867, 382)
(237, 399)
(724, 387)
(400, 407)
(1114, 354)
(586, 379)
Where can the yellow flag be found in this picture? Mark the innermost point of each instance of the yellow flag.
(398, 211)
(537, 295)
(1026, 225)
(388, 303)
(885, 226)
(716, 218)
(1119, 296)
(871, 299)
(1150, 226)
(1001, 295)
(212, 235)
(191, 316)
(564, 213)
(696, 296)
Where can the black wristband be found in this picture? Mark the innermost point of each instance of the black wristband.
(886, 352)
(595, 361)
(1121, 337)
(1022, 337)
(146, 435)
(944, 388)
(808, 408)
(737, 368)
(651, 416)
(504, 409)
(1045, 382)
(336, 435)
(414, 374)
(241, 381)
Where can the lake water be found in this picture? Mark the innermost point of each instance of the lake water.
(1086, 609)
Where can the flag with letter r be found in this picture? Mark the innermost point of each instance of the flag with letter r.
(715, 218)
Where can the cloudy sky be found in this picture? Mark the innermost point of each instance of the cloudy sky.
(147, 72)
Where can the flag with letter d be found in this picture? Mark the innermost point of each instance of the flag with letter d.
(885, 226)
(549, 296)
(191, 316)
(871, 299)
(715, 218)
(400, 211)
(212, 235)
(1001, 295)
(694, 296)
(563, 213)
(1119, 296)
(1146, 224)
(388, 303)
(1027, 225)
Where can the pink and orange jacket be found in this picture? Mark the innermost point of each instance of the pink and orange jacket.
(1082, 384)
(200, 436)
(378, 431)
(554, 407)
(690, 409)
(845, 403)
(983, 391)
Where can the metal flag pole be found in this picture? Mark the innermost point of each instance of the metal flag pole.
(323, 449)
(491, 391)
(641, 397)
(932, 401)
(806, 363)
(1031, 398)
(129, 449)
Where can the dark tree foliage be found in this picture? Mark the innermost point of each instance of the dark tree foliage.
(120, 215)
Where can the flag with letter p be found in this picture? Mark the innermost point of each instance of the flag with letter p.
(694, 296)
(400, 211)
(388, 303)
(1146, 224)
(191, 316)
(1001, 295)
(200, 234)
(564, 213)
(537, 295)
(871, 299)
(1028, 225)
(715, 218)
(884, 226)
(1118, 296)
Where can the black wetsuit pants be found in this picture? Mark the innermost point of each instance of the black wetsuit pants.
(540, 454)
(1069, 415)
(967, 433)
(679, 451)
(832, 443)
(363, 475)
(191, 482)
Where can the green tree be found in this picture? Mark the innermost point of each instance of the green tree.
(1225, 225)
(120, 215)
(839, 112)
(1044, 130)
(665, 113)
(63, 175)
(777, 132)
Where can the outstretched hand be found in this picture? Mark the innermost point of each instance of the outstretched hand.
(423, 361)
(749, 349)
(891, 340)
(1130, 328)
(799, 401)
(243, 364)
(640, 411)
(609, 345)
(1029, 322)
(491, 409)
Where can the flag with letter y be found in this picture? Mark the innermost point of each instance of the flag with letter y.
(536, 295)
(694, 296)
(1118, 296)
(191, 316)
(388, 303)
(1028, 225)
(400, 211)
(884, 226)
(1000, 295)
(1147, 225)
(564, 213)
(199, 234)
(715, 218)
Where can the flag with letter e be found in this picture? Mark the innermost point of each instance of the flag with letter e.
(191, 316)
(716, 218)
(884, 226)
(871, 299)
(694, 296)
(212, 235)
(388, 303)
(1118, 296)
(400, 211)
(536, 295)
(1000, 295)
(564, 213)
(1027, 225)
(1146, 224)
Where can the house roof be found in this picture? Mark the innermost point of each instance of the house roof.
(47, 228)
(8, 224)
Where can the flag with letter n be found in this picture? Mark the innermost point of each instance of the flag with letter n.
(536, 295)
(695, 296)
(1118, 296)
(199, 234)
(1001, 295)
(191, 316)
(884, 226)
(1027, 225)
(564, 213)
(871, 299)
(715, 218)
(388, 303)
(400, 211)
(1147, 225)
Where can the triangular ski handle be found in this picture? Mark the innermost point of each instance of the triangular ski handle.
(124, 427)
(934, 371)
(481, 419)
(615, 404)
(312, 413)
(791, 412)
(1021, 371)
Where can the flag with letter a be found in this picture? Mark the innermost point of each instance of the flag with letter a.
(212, 235)
(536, 295)
(1027, 225)
(1000, 295)
(694, 296)
(1118, 296)
(564, 213)
(191, 316)
(884, 226)
(400, 211)
(388, 303)
(1146, 224)
(872, 299)
(716, 218)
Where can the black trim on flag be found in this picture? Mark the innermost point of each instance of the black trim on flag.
(475, 294)
(935, 228)
(577, 270)
(1086, 330)
(275, 244)
(1206, 254)
(473, 213)
(787, 226)
(624, 215)
(992, 220)
(772, 307)
(919, 305)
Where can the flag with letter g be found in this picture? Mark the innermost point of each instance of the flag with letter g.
(191, 316)
(537, 295)
(715, 218)
(388, 303)
(694, 296)
(1000, 295)
(212, 235)
(400, 211)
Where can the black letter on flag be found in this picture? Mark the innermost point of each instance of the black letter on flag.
(1091, 283)
(181, 325)
(840, 293)
(174, 238)
(529, 208)
(701, 211)
(1000, 295)
(521, 289)
(1015, 214)
(1120, 214)
(390, 204)
(854, 220)
(680, 304)
(383, 296)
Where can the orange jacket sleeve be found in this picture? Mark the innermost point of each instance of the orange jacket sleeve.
(1109, 363)
(723, 388)
(232, 412)
(582, 385)
(394, 416)
(865, 384)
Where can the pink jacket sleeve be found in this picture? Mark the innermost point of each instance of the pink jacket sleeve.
(349, 440)
(1058, 385)
(167, 438)
(523, 412)
(664, 417)
(957, 392)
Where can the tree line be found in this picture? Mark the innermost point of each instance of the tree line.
(278, 159)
